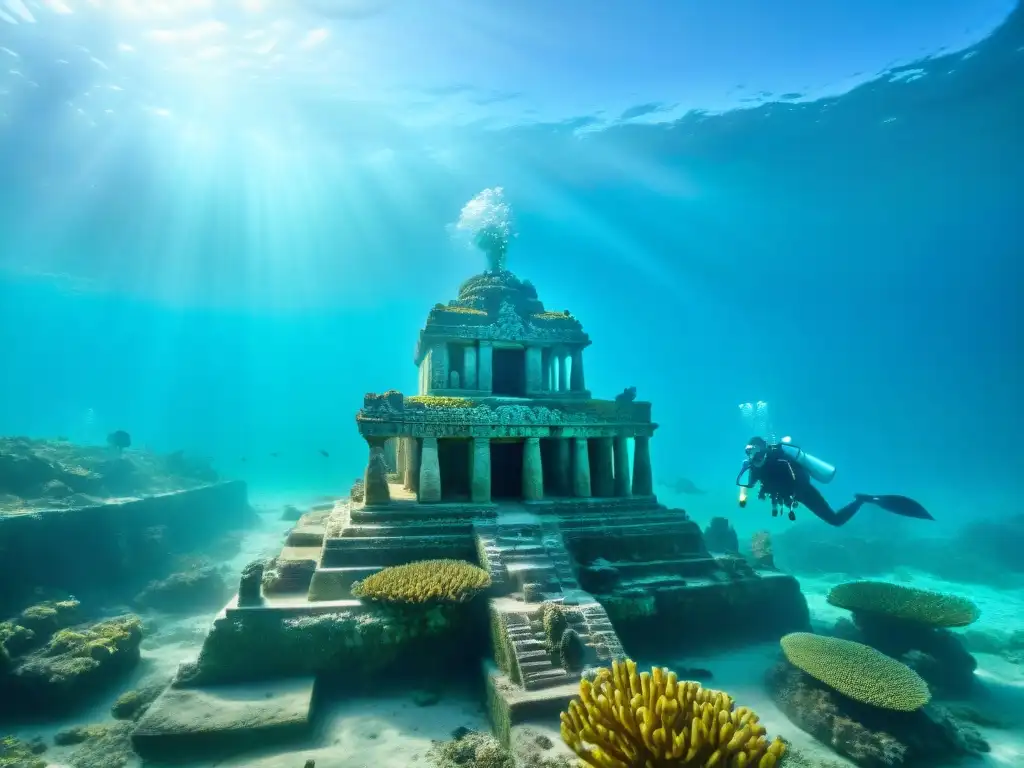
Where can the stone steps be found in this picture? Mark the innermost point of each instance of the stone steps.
(395, 550)
(336, 583)
(306, 536)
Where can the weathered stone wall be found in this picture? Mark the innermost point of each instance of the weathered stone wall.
(113, 546)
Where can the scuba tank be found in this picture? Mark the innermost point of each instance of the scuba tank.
(820, 470)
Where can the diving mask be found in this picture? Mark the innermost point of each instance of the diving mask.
(757, 451)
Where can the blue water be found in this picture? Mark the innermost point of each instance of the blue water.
(222, 247)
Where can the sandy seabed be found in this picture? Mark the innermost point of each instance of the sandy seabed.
(396, 732)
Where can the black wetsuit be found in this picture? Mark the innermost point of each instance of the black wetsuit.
(785, 481)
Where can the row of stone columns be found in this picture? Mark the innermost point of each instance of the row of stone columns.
(570, 464)
(556, 370)
(547, 368)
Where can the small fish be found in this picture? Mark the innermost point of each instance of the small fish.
(324, 453)
(687, 486)
(274, 455)
(244, 459)
(119, 440)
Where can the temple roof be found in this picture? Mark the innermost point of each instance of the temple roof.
(498, 306)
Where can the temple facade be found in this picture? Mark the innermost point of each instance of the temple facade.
(502, 410)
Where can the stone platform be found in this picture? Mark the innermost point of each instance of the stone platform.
(185, 721)
(622, 570)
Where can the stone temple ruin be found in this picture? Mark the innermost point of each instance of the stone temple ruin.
(503, 459)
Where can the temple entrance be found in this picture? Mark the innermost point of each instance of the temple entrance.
(453, 461)
(507, 469)
(508, 371)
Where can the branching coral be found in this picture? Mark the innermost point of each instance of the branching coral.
(895, 601)
(425, 581)
(857, 671)
(624, 719)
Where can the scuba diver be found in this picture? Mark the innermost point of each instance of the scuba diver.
(785, 473)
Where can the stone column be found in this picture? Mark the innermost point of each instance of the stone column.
(602, 481)
(533, 470)
(534, 371)
(643, 482)
(412, 464)
(623, 483)
(480, 470)
(563, 466)
(577, 384)
(439, 366)
(484, 380)
(469, 380)
(401, 457)
(563, 371)
(375, 479)
(430, 472)
(580, 467)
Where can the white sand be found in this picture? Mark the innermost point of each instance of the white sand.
(393, 732)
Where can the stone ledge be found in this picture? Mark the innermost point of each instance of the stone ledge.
(509, 705)
(188, 720)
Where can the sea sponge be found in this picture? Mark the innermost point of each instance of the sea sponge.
(571, 651)
(857, 671)
(624, 719)
(919, 606)
(424, 581)
(555, 623)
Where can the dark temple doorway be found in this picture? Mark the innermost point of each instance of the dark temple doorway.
(508, 372)
(507, 469)
(453, 461)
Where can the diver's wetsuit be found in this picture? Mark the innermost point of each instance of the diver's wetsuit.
(783, 480)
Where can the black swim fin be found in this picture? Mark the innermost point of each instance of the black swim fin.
(898, 505)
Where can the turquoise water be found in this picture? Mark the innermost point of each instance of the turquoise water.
(219, 264)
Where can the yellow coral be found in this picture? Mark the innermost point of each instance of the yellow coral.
(425, 581)
(624, 719)
(857, 671)
(462, 310)
(920, 606)
(430, 401)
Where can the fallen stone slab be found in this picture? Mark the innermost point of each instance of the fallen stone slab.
(223, 718)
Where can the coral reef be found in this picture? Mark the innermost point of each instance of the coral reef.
(47, 474)
(857, 671)
(870, 736)
(895, 601)
(15, 753)
(424, 581)
(470, 749)
(761, 553)
(286, 576)
(910, 624)
(72, 665)
(625, 719)
(193, 590)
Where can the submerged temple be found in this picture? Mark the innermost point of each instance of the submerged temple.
(502, 459)
(503, 411)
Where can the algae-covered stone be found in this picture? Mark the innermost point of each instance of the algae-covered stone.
(195, 589)
(46, 618)
(100, 746)
(15, 753)
(131, 705)
(74, 664)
